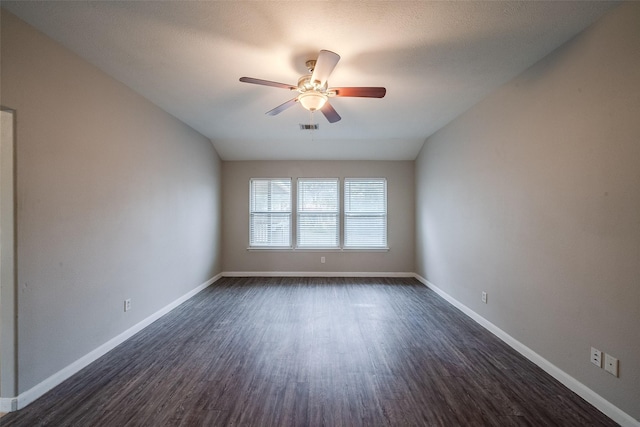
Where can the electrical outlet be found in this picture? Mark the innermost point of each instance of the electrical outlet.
(611, 364)
(596, 357)
(127, 305)
(322, 260)
(484, 297)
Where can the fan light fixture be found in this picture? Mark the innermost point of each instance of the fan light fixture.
(312, 100)
(314, 89)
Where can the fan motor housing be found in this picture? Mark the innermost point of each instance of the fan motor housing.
(305, 84)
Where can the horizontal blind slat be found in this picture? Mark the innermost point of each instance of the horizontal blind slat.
(270, 212)
(365, 207)
(318, 213)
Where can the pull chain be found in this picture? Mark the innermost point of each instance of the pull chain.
(312, 127)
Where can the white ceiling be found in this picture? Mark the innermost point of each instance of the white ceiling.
(436, 60)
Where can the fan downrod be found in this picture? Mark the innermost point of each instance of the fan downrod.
(311, 65)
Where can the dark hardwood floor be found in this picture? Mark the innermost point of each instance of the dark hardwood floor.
(311, 352)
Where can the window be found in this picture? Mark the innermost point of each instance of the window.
(318, 213)
(365, 213)
(270, 212)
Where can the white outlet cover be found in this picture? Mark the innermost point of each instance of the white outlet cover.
(611, 364)
(596, 357)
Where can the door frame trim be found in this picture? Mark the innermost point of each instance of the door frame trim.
(8, 269)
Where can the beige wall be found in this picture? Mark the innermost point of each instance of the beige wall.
(235, 235)
(115, 199)
(533, 195)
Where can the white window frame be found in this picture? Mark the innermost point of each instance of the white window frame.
(253, 213)
(302, 212)
(351, 214)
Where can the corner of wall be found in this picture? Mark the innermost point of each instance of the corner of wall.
(603, 405)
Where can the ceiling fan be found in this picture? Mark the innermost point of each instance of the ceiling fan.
(313, 89)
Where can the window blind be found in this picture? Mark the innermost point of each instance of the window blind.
(270, 212)
(365, 213)
(318, 213)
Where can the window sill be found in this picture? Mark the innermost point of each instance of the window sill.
(259, 249)
(366, 249)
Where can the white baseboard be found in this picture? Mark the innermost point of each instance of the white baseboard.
(13, 404)
(603, 405)
(314, 274)
(8, 404)
(613, 412)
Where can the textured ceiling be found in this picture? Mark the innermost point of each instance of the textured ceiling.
(436, 60)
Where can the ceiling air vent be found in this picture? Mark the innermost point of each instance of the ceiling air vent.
(308, 127)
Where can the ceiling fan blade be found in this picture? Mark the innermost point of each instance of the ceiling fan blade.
(280, 108)
(267, 83)
(360, 92)
(325, 64)
(330, 113)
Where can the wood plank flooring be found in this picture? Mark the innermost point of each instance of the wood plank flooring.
(311, 352)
